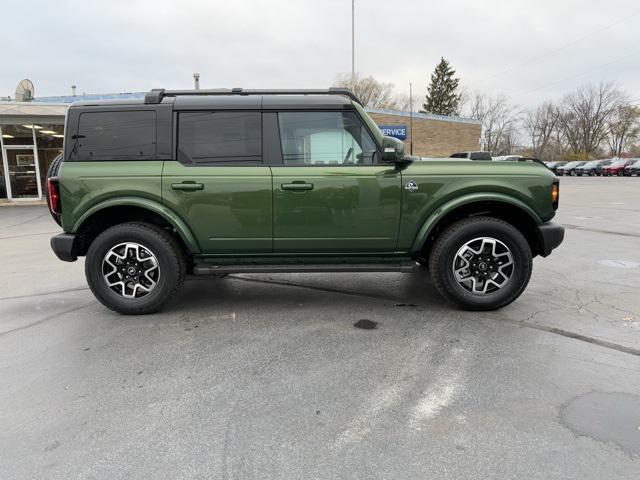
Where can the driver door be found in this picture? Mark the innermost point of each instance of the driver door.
(331, 194)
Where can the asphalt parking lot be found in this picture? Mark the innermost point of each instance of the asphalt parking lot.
(265, 376)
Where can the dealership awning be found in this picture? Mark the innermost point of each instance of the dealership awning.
(28, 112)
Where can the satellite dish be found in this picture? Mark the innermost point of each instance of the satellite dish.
(24, 91)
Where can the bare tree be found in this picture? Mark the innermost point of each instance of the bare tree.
(508, 141)
(586, 114)
(558, 147)
(403, 102)
(499, 119)
(623, 129)
(372, 92)
(541, 126)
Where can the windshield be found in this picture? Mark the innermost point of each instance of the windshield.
(573, 164)
(617, 163)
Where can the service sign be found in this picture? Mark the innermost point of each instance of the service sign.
(396, 131)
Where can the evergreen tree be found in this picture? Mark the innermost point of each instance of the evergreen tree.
(442, 95)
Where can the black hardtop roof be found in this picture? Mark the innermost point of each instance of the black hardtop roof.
(234, 101)
(262, 102)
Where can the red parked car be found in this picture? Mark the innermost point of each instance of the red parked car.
(615, 168)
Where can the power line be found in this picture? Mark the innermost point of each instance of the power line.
(542, 87)
(554, 51)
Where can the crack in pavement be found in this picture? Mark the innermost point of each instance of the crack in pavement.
(41, 294)
(573, 335)
(46, 319)
(599, 230)
(28, 235)
(27, 221)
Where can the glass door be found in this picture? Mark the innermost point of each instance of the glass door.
(22, 172)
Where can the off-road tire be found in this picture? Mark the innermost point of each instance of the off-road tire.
(168, 252)
(448, 243)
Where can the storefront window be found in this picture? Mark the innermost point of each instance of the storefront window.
(49, 144)
(25, 164)
(17, 135)
(3, 187)
(22, 172)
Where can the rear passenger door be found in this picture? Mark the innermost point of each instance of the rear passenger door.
(218, 182)
(331, 193)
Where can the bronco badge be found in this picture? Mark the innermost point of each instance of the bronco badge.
(411, 186)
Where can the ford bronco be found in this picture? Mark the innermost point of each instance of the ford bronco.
(243, 181)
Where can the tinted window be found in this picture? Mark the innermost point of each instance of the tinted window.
(115, 135)
(480, 156)
(325, 138)
(220, 137)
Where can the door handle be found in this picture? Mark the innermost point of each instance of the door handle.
(187, 186)
(297, 186)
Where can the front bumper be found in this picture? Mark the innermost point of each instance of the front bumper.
(65, 246)
(550, 235)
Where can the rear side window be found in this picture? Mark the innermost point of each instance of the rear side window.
(220, 137)
(127, 135)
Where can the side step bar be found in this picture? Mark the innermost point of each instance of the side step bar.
(406, 267)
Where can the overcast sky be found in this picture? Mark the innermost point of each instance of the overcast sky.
(530, 50)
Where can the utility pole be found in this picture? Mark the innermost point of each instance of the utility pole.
(411, 118)
(353, 45)
(196, 81)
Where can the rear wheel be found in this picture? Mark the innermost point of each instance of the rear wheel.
(481, 263)
(135, 268)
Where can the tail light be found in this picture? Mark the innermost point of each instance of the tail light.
(53, 195)
(555, 194)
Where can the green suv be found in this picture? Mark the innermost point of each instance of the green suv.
(211, 182)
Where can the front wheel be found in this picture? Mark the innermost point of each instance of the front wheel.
(135, 268)
(481, 263)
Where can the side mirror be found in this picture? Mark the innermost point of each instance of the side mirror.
(392, 150)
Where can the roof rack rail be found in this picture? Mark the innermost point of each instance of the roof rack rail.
(157, 94)
(532, 159)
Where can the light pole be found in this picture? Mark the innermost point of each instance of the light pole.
(353, 45)
(410, 118)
